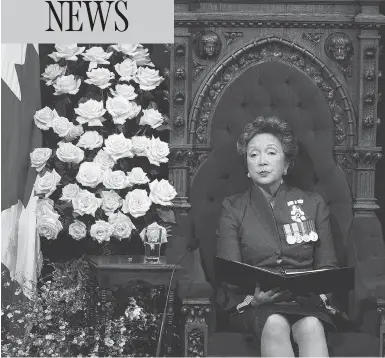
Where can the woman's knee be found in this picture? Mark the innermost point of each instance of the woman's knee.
(308, 328)
(276, 327)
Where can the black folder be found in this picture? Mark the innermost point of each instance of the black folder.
(299, 282)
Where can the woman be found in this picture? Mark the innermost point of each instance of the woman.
(276, 226)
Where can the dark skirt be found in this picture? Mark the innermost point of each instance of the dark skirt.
(252, 320)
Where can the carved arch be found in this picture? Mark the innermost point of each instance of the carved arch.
(254, 53)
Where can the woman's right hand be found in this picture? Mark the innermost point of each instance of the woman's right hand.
(274, 295)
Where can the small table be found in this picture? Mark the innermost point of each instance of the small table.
(115, 270)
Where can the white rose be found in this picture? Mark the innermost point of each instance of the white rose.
(101, 231)
(152, 233)
(122, 225)
(74, 132)
(151, 117)
(69, 153)
(127, 49)
(47, 183)
(100, 77)
(39, 157)
(111, 201)
(48, 225)
(133, 314)
(124, 90)
(118, 146)
(140, 145)
(68, 52)
(90, 140)
(157, 151)
(52, 72)
(162, 192)
(142, 57)
(148, 78)
(67, 84)
(43, 206)
(136, 203)
(90, 174)
(78, 230)
(126, 69)
(121, 109)
(61, 126)
(137, 176)
(104, 160)
(96, 55)
(69, 192)
(115, 179)
(44, 117)
(90, 112)
(86, 203)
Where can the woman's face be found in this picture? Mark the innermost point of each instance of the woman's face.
(266, 161)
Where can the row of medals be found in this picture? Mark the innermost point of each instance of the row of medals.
(300, 232)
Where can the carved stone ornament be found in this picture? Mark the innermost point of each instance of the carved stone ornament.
(196, 313)
(370, 52)
(339, 48)
(366, 158)
(370, 75)
(232, 36)
(207, 45)
(368, 122)
(313, 37)
(179, 122)
(268, 23)
(179, 98)
(189, 158)
(198, 68)
(180, 50)
(196, 328)
(264, 50)
(369, 98)
(180, 73)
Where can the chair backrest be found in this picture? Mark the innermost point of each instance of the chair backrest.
(270, 88)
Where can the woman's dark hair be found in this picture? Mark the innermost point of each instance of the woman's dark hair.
(272, 125)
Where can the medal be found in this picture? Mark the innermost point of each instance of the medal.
(296, 212)
(290, 239)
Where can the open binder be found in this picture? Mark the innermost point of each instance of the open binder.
(316, 281)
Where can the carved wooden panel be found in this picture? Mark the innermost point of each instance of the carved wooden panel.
(335, 43)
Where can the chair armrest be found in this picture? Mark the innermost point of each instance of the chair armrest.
(195, 335)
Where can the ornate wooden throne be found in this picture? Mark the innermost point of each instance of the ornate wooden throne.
(314, 63)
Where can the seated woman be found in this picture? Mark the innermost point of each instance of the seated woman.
(276, 226)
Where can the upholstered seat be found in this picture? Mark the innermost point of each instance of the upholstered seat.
(274, 88)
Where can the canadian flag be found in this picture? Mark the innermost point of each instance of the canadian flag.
(20, 99)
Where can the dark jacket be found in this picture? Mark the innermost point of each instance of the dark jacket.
(254, 232)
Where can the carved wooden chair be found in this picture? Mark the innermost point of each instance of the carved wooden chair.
(274, 88)
(269, 86)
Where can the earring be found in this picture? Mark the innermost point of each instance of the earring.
(248, 175)
(285, 172)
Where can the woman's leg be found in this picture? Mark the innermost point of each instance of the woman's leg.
(309, 334)
(275, 340)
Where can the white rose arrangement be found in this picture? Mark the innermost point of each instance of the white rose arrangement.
(104, 146)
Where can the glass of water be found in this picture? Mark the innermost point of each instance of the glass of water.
(152, 244)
